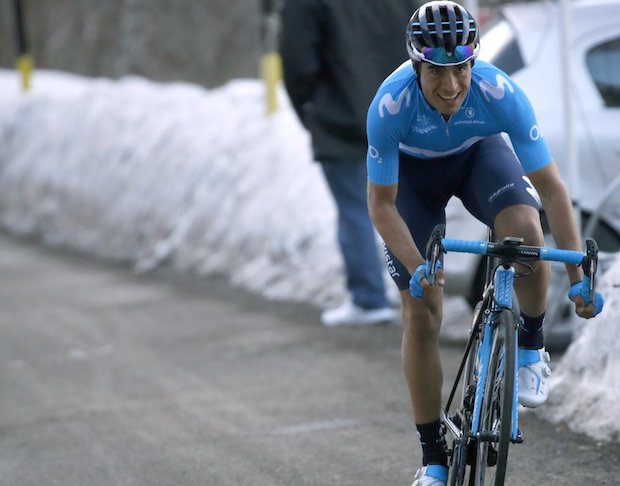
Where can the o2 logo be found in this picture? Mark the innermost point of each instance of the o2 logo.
(374, 154)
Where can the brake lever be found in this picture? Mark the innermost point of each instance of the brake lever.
(590, 266)
(434, 252)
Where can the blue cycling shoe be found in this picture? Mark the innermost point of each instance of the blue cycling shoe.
(432, 475)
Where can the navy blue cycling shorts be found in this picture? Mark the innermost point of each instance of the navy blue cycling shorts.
(486, 178)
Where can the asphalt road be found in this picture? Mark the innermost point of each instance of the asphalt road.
(113, 378)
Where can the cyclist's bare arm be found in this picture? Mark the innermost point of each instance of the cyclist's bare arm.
(390, 225)
(557, 205)
(558, 208)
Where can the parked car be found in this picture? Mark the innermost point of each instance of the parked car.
(524, 41)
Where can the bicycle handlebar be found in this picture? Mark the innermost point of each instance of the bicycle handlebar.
(512, 250)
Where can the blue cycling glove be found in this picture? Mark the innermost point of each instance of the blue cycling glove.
(421, 271)
(579, 288)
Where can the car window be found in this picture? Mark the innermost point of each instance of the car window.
(604, 65)
(499, 46)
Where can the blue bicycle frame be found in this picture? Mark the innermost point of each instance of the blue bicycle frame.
(488, 363)
(502, 299)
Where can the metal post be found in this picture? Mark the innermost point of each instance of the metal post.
(271, 64)
(24, 62)
(570, 136)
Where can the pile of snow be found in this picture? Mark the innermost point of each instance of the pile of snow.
(201, 180)
(154, 174)
(586, 383)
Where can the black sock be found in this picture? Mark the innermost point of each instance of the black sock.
(531, 332)
(433, 444)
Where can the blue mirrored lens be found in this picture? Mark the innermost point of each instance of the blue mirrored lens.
(438, 55)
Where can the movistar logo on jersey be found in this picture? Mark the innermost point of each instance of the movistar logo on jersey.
(496, 91)
(533, 192)
(393, 106)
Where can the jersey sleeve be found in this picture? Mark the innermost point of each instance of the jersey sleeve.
(521, 126)
(383, 139)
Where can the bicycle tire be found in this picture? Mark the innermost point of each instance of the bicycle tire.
(497, 406)
(461, 447)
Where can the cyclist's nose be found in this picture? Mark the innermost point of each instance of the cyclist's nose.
(449, 81)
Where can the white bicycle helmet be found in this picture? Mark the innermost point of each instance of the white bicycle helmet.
(442, 33)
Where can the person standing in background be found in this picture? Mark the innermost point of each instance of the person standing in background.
(334, 54)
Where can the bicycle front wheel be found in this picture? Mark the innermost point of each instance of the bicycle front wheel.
(497, 406)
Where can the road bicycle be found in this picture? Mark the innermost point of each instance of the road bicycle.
(485, 422)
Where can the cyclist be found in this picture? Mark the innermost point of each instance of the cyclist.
(434, 131)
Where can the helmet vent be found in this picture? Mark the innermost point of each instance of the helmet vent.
(442, 24)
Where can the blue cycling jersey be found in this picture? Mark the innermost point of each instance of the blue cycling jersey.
(401, 120)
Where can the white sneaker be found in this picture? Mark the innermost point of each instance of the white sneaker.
(534, 374)
(348, 314)
(433, 475)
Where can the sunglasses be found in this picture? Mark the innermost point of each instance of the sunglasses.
(439, 56)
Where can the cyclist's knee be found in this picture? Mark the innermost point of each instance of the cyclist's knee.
(419, 323)
(520, 221)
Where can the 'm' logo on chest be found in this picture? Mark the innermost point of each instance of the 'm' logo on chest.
(393, 106)
(498, 91)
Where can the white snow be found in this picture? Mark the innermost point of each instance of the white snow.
(202, 180)
(149, 173)
(586, 382)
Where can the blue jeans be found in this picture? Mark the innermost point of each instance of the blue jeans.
(356, 235)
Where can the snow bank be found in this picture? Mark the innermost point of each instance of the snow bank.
(586, 382)
(154, 174)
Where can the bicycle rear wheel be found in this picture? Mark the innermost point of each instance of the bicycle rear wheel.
(497, 407)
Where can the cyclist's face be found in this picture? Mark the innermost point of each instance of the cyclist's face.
(445, 87)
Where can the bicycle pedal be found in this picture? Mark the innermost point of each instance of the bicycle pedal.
(470, 453)
(491, 456)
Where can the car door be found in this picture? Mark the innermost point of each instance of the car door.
(601, 113)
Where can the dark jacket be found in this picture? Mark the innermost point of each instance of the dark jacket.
(335, 53)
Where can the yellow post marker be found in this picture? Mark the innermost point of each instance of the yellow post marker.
(271, 63)
(271, 67)
(25, 65)
(24, 62)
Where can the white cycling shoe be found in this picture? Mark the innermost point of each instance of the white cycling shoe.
(432, 475)
(348, 314)
(534, 374)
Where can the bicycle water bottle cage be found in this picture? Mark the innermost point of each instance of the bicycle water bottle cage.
(513, 241)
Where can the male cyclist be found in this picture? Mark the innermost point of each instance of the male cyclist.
(434, 131)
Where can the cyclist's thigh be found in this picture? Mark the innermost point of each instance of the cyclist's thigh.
(421, 201)
(496, 181)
